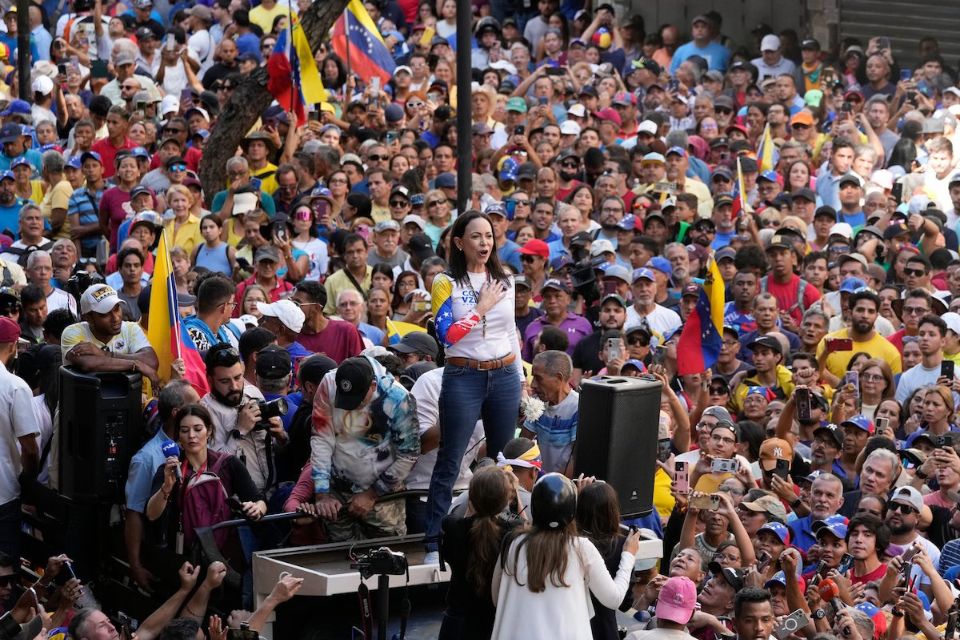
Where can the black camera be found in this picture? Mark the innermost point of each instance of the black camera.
(380, 561)
(80, 282)
(273, 409)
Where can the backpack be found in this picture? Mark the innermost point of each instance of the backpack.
(204, 504)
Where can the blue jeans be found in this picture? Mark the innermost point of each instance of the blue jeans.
(468, 395)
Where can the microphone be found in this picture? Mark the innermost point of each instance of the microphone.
(829, 590)
(170, 449)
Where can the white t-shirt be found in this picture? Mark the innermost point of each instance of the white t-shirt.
(316, 250)
(60, 299)
(16, 421)
(661, 321)
(201, 47)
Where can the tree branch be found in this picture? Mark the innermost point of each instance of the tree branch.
(251, 98)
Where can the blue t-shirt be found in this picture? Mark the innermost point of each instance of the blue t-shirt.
(10, 218)
(509, 254)
(855, 220)
(722, 239)
(11, 42)
(716, 55)
(143, 467)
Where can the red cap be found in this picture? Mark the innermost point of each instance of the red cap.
(9, 330)
(536, 247)
(609, 114)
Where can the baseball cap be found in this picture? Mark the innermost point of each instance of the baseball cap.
(766, 504)
(267, 252)
(577, 110)
(852, 285)
(836, 525)
(386, 225)
(661, 264)
(610, 115)
(766, 341)
(535, 247)
(952, 321)
(286, 311)
(569, 128)
(354, 377)
(620, 272)
(833, 431)
(692, 289)
(778, 530)
(677, 600)
(849, 178)
(273, 362)
(779, 241)
(770, 42)
(805, 193)
(417, 342)
(646, 274)
(446, 181)
(732, 576)
(9, 330)
(521, 281)
(517, 104)
(772, 450)
(727, 253)
(720, 413)
(842, 229)
(781, 578)
(599, 247)
(555, 284)
(860, 422)
(616, 298)
(99, 298)
(649, 127)
(909, 496)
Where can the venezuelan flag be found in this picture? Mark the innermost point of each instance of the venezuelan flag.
(293, 78)
(369, 55)
(397, 329)
(739, 194)
(702, 335)
(165, 332)
(767, 154)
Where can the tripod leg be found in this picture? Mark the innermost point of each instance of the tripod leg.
(383, 605)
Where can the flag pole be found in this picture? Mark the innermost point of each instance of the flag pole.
(293, 73)
(346, 35)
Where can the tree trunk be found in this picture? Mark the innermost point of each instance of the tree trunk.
(251, 99)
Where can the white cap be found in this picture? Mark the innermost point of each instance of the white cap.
(100, 298)
(578, 110)
(882, 178)
(841, 229)
(401, 68)
(770, 43)
(415, 219)
(169, 104)
(600, 247)
(43, 85)
(569, 128)
(648, 126)
(286, 311)
(244, 203)
(953, 321)
(504, 65)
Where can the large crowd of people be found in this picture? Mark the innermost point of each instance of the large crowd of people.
(378, 363)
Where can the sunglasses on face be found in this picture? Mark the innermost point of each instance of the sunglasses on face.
(416, 104)
(178, 167)
(303, 214)
(435, 203)
(377, 158)
(526, 258)
(398, 204)
(905, 509)
(914, 272)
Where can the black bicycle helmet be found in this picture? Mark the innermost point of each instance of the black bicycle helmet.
(553, 501)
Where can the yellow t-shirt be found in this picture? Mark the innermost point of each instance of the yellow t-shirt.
(877, 347)
(36, 192)
(130, 340)
(268, 178)
(58, 198)
(663, 500)
(264, 18)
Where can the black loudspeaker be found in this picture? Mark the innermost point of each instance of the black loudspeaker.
(617, 437)
(101, 421)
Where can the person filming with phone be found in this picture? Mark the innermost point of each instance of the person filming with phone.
(837, 348)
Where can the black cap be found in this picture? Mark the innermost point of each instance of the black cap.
(766, 341)
(354, 376)
(273, 362)
(313, 369)
(833, 431)
(806, 193)
(826, 211)
(417, 342)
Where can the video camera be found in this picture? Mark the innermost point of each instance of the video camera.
(582, 273)
(80, 282)
(380, 561)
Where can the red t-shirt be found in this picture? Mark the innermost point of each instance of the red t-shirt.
(339, 341)
(108, 153)
(874, 576)
(896, 339)
(787, 295)
(111, 207)
(112, 263)
(276, 293)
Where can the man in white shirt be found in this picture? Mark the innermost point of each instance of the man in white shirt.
(771, 62)
(645, 311)
(18, 426)
(39, 271)
(201, 42)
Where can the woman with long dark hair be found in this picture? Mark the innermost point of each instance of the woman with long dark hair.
(473, 307)
(545, 573)
(598, 518)
(471, 545)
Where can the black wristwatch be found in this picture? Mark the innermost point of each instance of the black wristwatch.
(819, 614)
(920, 474)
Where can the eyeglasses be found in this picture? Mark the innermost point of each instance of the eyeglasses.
(377, 157)
(914, 272)
(526, 258)
(719, 391)
(435, 203)
(225, 357)
(522, 202)
(399, 204)
(915, 311)
(871, 377)
(303, 304)
(6, 581)
(612, 210)
(730, 343)
(905, 509)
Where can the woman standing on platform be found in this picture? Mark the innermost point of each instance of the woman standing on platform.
(473, 306)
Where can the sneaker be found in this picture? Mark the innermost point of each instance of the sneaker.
(431, 557)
